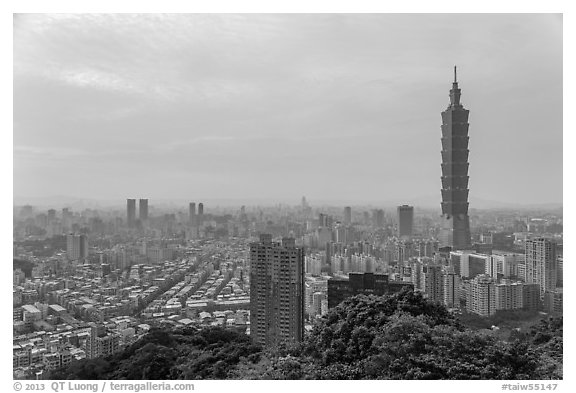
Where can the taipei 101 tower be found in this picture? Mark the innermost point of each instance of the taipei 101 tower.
(455, 229)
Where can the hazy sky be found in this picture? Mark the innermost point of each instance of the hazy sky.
(331, 106)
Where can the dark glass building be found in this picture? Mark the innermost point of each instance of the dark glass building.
(339, 289)
(192, 212)
(455, 231)
(405, 221)
(143, 209)
(131, 212)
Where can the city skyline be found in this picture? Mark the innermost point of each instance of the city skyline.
(302, 99)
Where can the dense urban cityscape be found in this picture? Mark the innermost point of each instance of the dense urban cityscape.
(89, 283)
(142, 288)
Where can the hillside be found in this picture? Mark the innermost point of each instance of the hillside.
(366, 337)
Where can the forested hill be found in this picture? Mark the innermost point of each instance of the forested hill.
(402, 336)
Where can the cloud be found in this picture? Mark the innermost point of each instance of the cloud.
(229, 93)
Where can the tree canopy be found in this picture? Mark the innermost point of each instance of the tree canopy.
(401, 336)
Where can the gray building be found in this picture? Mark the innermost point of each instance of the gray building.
(276, 291)
(455, 232)
(405, 221)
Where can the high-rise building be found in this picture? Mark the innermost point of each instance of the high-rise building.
(405, 221)
(347, 215)
(504, 264)
(451, 289)
(554, 301)
(143, 209)
(192, 212)
(276, 291)
(432, 282)
(509, 295)
(200, 209)
(76, 246)
(541, 266)
(455, 230)
(130, 212)
(531, 297)
(481, 296)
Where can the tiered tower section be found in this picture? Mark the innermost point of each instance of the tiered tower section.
(455, 231)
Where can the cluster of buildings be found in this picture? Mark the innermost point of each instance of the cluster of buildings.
(110, 280)
(96, 309)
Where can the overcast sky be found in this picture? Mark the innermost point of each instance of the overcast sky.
(332, 106)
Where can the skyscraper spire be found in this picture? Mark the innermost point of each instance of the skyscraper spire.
(455, 92)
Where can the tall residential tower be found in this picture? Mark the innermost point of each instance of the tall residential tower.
(541, 264)
(276, 291)
(455, 230)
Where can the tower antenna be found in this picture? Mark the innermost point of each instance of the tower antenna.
(455, 80)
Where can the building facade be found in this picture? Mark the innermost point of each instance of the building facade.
(192, 213)
(143, 209)
(451, 289)
(276, 291)
(131, 212)
(481, 296)
(541, 266)
(347, 215)
(432, 282)
(405, 221)
(455, 232)
(76, 247)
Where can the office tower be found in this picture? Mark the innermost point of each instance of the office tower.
(143, 209)
(76, 247)
(455, 231)
(481, 296)
(130, 212)
(66, 219)
(347, 215)
(342, 288)
(541, 264)
(192, 212)
(405, 221)
(200, 215)
(276, 291)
